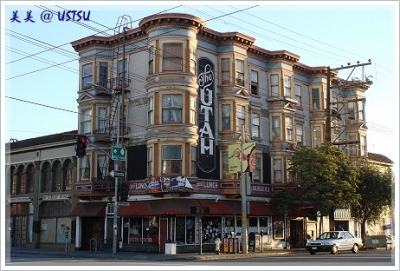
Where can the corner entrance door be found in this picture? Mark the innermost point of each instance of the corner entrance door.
(163, 233)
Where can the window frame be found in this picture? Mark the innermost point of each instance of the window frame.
(254, 83)
(68, 170)
(193, 161)
(255, 126)
(225, 70)
(298, 90)
(172, 61)
(151, 51)
(86, 120)
(226, 117)
(103, 74)
(57, 180)
(122, 77)
(240, 117)
(174, 161)
(276, 130)
(150, 161)
(277, 170)
(315, 99)
(87, 75)
(289, 125)
(150, 111)
(317, 136)
(288, 85)
(274, 86)
(299, 133)
(102, 119)
(84, 168)
(239, 72)
(175, 110)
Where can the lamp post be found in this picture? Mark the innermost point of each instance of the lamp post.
(243, 196)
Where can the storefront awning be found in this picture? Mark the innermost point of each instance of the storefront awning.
(261, 209)
(89, 209)
(177, 207)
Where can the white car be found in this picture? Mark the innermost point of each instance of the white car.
(334, 241)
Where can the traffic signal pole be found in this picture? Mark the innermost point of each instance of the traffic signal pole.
(115, 236)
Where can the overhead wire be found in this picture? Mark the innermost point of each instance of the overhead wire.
(210, 19)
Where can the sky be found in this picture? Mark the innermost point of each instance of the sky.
(39, 67)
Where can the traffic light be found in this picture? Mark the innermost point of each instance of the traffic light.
(81, 145)
(124, 192)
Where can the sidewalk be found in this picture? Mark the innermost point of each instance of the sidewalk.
(152, 256)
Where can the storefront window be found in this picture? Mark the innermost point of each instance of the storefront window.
(185, 230)
(135, 230)
(150, 229)
(229, 227)
(211, 229)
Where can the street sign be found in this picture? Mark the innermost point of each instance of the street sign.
(116, 173)
(118, 153)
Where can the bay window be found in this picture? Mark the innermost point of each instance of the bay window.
(289, 128)
(276, 127)
(172, 56)
(172, 160)
(226, 117)
(87, 75)
(172, 108)
(288, 86)
(241, 117)
(255, 125)
(86, 121)
(239, 72)
(274, 84)
(225, 71)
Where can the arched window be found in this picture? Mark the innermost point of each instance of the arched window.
(20, 180)
(57, 177)
(68, 169)
(46, 177)
(13, 181)
(30, 179)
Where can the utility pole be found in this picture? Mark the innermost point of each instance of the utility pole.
(328, 132)
(328, 136)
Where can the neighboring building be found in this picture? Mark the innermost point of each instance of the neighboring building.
(41, 173)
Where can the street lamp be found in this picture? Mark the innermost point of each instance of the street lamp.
(115, 222)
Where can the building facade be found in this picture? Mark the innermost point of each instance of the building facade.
(40, 174)
(187, 105)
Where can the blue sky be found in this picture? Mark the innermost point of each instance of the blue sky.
(40, 68)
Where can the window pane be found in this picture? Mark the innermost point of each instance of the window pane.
(87, 74)
(103, 74)
(172, 57)
(225, 70)
(274, 85)
(254, 82)
(315, 98)
(226, 117)
(276, 127)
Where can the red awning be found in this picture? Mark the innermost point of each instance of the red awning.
(261, 209)
(177, 207)
(89, 209)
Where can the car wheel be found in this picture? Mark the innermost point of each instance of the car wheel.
(312, 252)
(355, 248)
(334, 249)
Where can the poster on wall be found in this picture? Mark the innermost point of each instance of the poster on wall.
(248, 157)
(169, 184)
(206, 148)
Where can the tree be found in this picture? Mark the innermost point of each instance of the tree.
(326, 179)
(375, 190)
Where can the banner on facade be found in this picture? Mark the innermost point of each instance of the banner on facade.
(206, 147)
(169, 184)
(248, 157)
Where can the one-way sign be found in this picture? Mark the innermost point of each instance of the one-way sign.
(116, 173)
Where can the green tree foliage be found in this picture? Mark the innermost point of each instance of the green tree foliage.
(326, 179)
(375, 190)
(282, 200)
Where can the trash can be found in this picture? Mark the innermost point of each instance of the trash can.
(170, 247)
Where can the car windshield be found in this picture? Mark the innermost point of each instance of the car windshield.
(328, 235)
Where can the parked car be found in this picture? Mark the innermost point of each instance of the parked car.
(334, 241)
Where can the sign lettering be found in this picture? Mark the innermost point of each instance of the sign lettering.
(205, 79)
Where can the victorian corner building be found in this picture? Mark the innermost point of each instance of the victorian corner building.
(174, 96)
